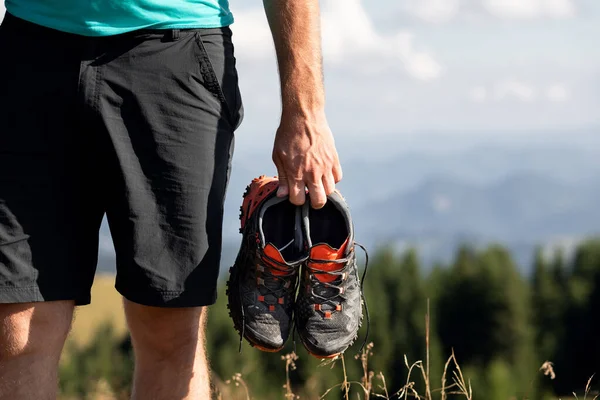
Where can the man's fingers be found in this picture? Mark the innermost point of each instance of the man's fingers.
(337, 172)
(328, 183)
(318, 198)
(283, 189)
(297, 191)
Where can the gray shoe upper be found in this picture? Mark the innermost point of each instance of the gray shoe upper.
(268, 282)
(329, 311)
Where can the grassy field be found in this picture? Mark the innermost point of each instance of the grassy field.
(106, 306)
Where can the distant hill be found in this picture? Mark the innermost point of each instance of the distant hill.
(521, 211)
(522, 206)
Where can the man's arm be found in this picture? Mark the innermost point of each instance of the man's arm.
(304, 150)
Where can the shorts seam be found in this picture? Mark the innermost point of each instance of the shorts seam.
(156, 290)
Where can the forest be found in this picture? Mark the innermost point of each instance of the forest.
(513, 336)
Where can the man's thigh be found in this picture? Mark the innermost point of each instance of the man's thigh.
(48, 213)
(170, 103)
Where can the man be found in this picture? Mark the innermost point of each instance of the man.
(128, 108)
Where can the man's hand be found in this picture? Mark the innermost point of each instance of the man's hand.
(305, 156)
(304, 151)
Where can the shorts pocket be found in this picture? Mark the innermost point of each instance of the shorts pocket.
(218, 69)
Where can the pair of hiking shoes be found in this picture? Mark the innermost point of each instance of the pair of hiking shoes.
(296, 266)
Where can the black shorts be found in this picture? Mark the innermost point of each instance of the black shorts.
(138, 127)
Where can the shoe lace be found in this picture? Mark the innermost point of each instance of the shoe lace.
(277, 284)
(328, 292)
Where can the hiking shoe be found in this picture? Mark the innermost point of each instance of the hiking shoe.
(263, 280)
(329, 302)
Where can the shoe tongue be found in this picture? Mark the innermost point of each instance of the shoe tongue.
(324, 251)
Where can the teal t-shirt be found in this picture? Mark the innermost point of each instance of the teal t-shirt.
(112, 17)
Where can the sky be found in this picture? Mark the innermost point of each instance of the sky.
(396, 67)
(420, 73)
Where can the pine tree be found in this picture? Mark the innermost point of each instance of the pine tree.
(484, 314)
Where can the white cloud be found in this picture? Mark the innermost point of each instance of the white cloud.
(519, 90)
(348, 36)
(478, 94)
(557, 93)
(434, 11)
(512, 88)
(439, 11)
(527, 9)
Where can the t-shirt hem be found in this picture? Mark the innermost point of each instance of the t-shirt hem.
(108, 31)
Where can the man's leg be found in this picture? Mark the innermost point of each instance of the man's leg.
(169, 103)
(32, 336)
(170, 358)
(49, 210)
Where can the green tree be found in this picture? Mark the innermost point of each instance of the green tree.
(577, 359)
(484, 315)
(396, 292)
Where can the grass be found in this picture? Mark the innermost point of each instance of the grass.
(453, 382)
(107, 306)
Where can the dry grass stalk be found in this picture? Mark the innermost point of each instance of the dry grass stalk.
(383, 387)
(367, 378)
(408, 388)
(548, 370)
(290, 365)
(459, 385)
(459, 380)
(345, 384)
(588, 387)
(426, 371)
(239, 381)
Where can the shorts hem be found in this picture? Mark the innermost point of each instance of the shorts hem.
(32, 294)
(153, 297)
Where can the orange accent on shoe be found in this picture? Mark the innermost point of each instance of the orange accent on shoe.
(265, 349)
(324, 357)
(280, 300)
(326, 252)
(271, 308)
(317, 307)
(261, 348)
(327, 314)
(258, 190)
(338, 307)
(272, 252)
(261, 298)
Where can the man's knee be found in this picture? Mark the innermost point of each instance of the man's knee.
(166, 332)
(32, 328)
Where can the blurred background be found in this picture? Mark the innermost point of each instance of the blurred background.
(468, 131)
